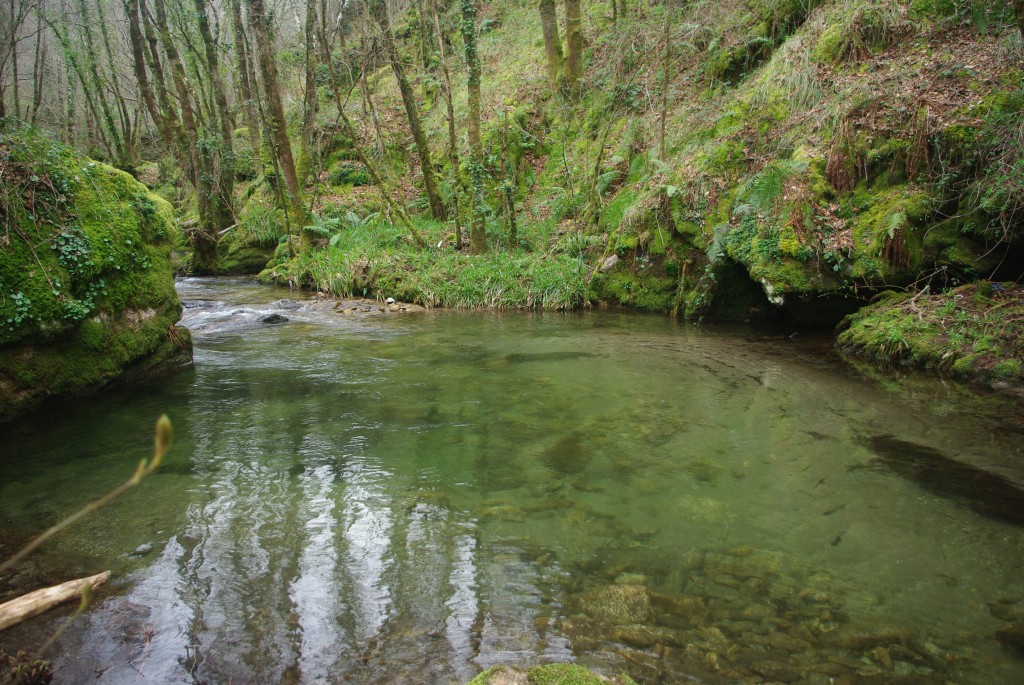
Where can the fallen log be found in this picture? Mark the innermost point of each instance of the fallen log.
(34, 603)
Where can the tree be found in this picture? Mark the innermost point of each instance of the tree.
(276, 123)
(1018, 9)
(13, 15)
(478, 229)
(453, 145)
(574, 45)
(378, 9)
(246, 77)
(552, 41)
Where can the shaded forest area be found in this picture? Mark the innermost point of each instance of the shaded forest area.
(733, 160)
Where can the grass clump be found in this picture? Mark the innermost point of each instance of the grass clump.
(374, 259)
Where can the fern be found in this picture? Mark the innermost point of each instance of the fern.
(896, 222)
(765, 189)
(716, 250)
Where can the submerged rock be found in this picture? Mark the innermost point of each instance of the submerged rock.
(548, 674)
(274, 318)
(1012, 638)
(984, 492)
(618, 604)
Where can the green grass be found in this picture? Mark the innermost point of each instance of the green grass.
(376, 260)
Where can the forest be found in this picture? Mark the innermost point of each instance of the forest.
(679, 339)
(745, 161)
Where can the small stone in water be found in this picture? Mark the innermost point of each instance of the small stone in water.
(273, 318)
(142, 550)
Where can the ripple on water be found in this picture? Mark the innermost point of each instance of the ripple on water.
(413, 499)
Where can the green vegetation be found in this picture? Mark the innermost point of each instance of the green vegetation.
(86, 287)
(974, 331)
(757, 158)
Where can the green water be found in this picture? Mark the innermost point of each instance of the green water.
(412, 497)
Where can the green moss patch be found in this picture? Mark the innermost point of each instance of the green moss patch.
(86, 281)
(975, 331)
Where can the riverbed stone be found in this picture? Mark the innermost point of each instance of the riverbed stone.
(273, 318)
(1012, 638)
(618, 604)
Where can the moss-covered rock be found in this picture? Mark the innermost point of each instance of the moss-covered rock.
(974, 332)
(86, 282)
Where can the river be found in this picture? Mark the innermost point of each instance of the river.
(411, 497)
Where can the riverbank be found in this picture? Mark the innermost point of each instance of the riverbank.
(974, 332)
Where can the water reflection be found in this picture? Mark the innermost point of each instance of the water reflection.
(415, 499)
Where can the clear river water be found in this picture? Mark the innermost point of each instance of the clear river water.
(411, 497)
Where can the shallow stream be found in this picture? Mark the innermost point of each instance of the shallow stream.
(411, 497)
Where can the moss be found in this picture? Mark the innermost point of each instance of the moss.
(89, 291)
(348, 173)
(887, 238)
(1008, 369)
(644, 291)
(974, 331)
(831, 44)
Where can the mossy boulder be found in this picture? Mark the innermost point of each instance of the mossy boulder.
(973, 332)
(86, 282)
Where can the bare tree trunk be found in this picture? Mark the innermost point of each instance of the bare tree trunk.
(508, 187)
(119, 100)
(120, 156)
(203, 238)
(271, 91)
(35, 603)
(378, 10)
(424, 29)
(38, 70)
(15, 97)
(375, 177)
(478, 228)
(453, 145)
(131, 10)
(666, 65)
(75, 69)
(552, 41)
(368, 107)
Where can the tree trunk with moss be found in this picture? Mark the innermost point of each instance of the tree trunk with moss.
(378, 9)
(478, 229)
(458, 185)
(552, 41)
(1018, 9)
(202, 237)
(306, 155)
(276, 122)
(574, 45)
(223, 157)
